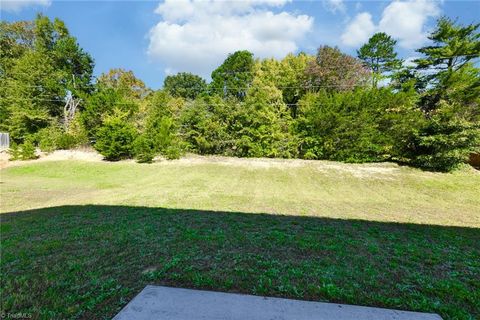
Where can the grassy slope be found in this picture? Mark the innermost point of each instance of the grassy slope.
(372, 192)
(88, 260)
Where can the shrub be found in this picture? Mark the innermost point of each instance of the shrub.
(28, 150)
(47, 139)
(359, 126)
(160, 135)
(54, 137)
(144, 149)
(66, 141)
(173, 152)
(266, 124)
(207, 125)
(14, 151)
(78, 131)
(115, 138)
(25, 151)
(444, 146)
(100, 105)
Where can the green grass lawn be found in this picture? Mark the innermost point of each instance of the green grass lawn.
(80, 239)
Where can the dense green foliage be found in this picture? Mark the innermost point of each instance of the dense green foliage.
(234, 76)
(208, 125)
(24, 151)
(40, 62)
(55, 137)
(445, 141)
(358, 126)
(115, 138)
(185, 85)
(380, 56)
(327, 106)
(452, 105)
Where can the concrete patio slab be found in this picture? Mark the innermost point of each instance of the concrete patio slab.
(165, 303)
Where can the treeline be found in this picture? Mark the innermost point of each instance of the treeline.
(334, 106)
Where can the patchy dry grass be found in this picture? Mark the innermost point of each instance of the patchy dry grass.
(374, 192)
(376, 235)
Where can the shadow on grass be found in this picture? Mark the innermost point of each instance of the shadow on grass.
(89, 261)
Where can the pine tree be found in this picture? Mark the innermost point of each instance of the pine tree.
(380, 56)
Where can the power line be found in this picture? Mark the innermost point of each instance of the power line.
(49, 73)
(298, 87)
(33, 99)
(306, 86)
(235, 72)
(446, 57)
(52, 100)
(129, 103)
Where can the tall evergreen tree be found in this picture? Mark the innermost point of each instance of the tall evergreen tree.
(453, 99)
(380, 56)
(454, 46)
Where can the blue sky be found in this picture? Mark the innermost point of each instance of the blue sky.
(155, 38)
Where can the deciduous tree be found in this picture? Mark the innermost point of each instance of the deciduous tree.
(234, 76)
(334, 70)
(185, 85)
(41, 64)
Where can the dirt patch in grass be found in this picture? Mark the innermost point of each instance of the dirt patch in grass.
(57, 155)
(380, 170)
(358, 170)
(379, 192)
(334, 232)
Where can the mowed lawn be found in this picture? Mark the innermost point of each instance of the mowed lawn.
(80, 239)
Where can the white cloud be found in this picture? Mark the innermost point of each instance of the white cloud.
(403, 20)
(18, 5)
(196, 36)
(359, 30)
(335, 6)
(182, 10)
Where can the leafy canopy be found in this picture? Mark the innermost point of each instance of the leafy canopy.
(334, 70)
(185, 85)
(234, 76)
(41, 64)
